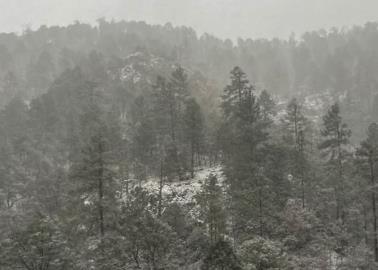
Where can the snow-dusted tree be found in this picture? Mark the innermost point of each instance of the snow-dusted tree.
(211, 202)
(295, 124)
(367, 154)
(335, 135)
(193, 130)
(221, 256)
(260, 254)
(242, 136)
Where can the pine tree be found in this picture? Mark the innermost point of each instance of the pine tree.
(144, 240)
(165, 111)
(374, 110)
(260, 253)
(242, 136)
(11, 88)
(179, 84)
(368, 157)
(221, 257)
(14, 145)
(36, 242)
(143, 138)
(210, 200)
(334, 147)
(193, 130)
(93, 183)
(267, 106)
(295, 124)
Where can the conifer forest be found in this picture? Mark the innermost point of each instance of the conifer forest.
(126, 144)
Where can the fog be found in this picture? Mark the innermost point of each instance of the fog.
(224, 18)
(126, 143)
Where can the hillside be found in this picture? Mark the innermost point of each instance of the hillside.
(134, 146)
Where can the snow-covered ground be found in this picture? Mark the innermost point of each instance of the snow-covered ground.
(182, 192)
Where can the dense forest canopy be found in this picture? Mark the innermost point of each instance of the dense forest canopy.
(136, 146)
(339, 60)
(337, 64)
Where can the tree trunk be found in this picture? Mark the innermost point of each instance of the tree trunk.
(260, 204)
(366, 238)
(340, 195)
(295, 128)
(192, 161)
(374, 208)
(161, 185)
(260, 212)
(100, 206)
(301, 163)
(303, 192)
(101, 192)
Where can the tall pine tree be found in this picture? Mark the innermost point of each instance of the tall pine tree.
(336, 136)
(368, 157)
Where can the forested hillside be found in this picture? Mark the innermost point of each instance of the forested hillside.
(131, 146)
(341, 63)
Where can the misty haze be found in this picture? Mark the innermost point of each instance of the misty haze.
(188, 135)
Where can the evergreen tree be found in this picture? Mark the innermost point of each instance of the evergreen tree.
(242, 137)
(295, 124)
(179, 85)
(93, 183)
(193, 130)
(166, 124)
(143, 138)
(267, 106)
(41, 72)
(261, 254)
(368, 157)
(210, 200)
(374, 110)
(144, 240)
(334, 147)
(221, 257)
(11, 88)
(36, 244)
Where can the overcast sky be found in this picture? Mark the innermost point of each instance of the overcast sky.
(224, 18)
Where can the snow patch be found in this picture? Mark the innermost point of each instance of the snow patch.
(128, 73)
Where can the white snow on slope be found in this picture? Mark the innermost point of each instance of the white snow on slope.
(128, 73)
(183, 192)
